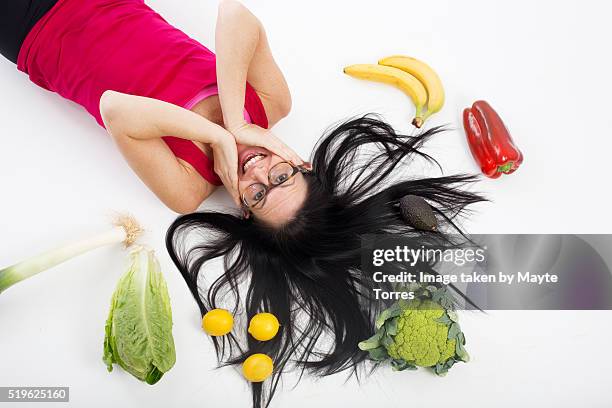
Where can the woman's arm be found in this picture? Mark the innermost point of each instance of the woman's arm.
(137, 124)
(243, 54)
(144, 118)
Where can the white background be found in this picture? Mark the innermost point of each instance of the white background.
(542, 65)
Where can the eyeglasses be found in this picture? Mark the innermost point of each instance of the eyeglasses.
(279, 174)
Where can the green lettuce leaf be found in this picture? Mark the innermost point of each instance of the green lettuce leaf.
(138, 332)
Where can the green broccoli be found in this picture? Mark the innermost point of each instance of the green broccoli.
(422, 332)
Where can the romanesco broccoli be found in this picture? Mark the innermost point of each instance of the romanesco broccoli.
(419, 333)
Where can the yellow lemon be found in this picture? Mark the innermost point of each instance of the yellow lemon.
(218, 322)
(257, 367)
(264, 326)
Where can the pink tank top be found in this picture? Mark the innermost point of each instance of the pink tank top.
(82, 48)
(205, 93)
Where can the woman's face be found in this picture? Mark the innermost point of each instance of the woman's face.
(280, 203)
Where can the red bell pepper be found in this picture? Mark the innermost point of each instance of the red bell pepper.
(489, 141)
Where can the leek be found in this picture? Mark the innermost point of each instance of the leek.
(126, 231)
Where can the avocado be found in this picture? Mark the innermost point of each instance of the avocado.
(418, 213)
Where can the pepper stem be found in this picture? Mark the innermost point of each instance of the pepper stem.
(504, 168)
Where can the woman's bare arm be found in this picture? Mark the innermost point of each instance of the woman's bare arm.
(137, 125)
(243, 54)
(144, 118)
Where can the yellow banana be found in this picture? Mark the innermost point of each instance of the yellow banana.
(396, 77)
(423, 73)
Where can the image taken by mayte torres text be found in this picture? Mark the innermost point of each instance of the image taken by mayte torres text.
(463, 265)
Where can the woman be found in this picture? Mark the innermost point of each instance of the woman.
(295, 249)
(309, 271)
(155, 91)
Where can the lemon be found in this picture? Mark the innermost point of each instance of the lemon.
(264, 326)
(257, 367)
(218, 322)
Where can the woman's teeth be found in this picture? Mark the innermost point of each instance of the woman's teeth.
(249, 163)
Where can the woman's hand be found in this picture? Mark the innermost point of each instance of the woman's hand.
(252, 135)
(225, 155)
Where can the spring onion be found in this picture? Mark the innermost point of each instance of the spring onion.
(126, 231)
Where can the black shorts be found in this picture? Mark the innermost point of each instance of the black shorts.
(17, 17)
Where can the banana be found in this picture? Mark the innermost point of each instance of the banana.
(396, 77)
(423, 73)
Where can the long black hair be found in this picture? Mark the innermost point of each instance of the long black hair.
(308, 272)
